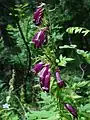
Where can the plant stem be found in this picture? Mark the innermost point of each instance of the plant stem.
(83, 72)
(60, 110)
(28, 49)
(29, 54)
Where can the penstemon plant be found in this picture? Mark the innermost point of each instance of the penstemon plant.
(48, 70)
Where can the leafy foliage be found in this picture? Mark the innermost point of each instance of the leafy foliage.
(67, 48)
(76, 30)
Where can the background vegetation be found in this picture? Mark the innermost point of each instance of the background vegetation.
(68, 46)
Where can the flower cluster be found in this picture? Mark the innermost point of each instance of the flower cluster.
(44, 75)
(40, 37)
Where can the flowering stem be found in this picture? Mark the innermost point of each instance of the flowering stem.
(74, 118)
(59, 105)
(49, 19)
(83, 72)
(60, 109)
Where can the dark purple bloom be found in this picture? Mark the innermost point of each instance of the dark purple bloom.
(38, 15)
(58, 78)
(42, 79)
(60, 82)
(71, 110)
(40, 38)
(47, 83)
(43, 73)
(37, 67)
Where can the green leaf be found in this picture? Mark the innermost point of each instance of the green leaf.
(57, 61)
(67, 46)
(76, 30)
(87, 107)
(69, 59)
(80, 84)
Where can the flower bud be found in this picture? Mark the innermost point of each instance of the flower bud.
(38, 15)
(58, 78)
(60, 82)
(71, 110)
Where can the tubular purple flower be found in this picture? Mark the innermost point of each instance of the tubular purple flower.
(37, 67)
(42, 37)
(60, 82)
(39, 38)
(38, 15)
(42, 79)
(47, 82)
(43, 73)
(36, 39)
(71, 109)
(58, 78)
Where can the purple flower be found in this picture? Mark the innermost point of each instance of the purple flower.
(40, 38)
(38, 15)
(42, 74)
(60, 82)
(44, 71)
(47, 82)
(58, 78)
(37, 67)
(42, 79)
(71, 110)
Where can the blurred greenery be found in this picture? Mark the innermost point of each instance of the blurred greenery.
(68, 48)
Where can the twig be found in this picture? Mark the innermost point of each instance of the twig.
(83, 72)
(28, 49)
